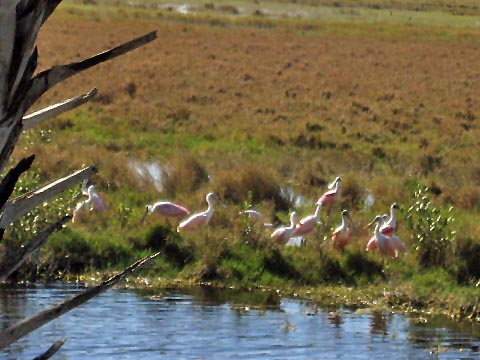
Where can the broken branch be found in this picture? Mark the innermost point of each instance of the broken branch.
(33, 119)
(26, 326)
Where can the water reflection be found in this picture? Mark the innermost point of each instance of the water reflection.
(378, 323)
(211, 323)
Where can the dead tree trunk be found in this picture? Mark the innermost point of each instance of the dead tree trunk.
(20, 22)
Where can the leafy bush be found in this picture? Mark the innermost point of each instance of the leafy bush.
(431, 229)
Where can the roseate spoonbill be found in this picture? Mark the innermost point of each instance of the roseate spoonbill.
(255, 216)
(399, 245)
(328, 199)
(372, 243)
(385, 244)
(284, 233)
(200, 219)
(307, 224)
(389, 226)
(342, 233)
(93, 201)
(165, 208)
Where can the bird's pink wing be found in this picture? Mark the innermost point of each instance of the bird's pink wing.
(399, 244)
(387, 230)
(372, 244)
(305, 226)
(98, 203)
(192, 222)
(174, 210)
(327, 198)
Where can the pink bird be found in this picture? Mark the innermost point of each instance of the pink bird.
(307, 224)
(328, 199)
(342, 233)
(165, 208)
(200, 219)
(92, 200)
(385, 244)
(389, 226)
(284, 233)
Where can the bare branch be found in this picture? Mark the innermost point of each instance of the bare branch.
(52, 350)
(49, 78)
(33, 119)
(37, 242)
(8, 182)
(26, 326)
(22, 205)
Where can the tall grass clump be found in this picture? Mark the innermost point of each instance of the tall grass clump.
(235, 185)
(430, 227)
(185, 175)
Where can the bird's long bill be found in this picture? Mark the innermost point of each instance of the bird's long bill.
(370, 224)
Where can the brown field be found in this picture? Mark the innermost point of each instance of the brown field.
(308, 105)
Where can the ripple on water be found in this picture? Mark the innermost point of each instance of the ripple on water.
(209, 323)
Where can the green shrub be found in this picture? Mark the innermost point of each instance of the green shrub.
(430, 227)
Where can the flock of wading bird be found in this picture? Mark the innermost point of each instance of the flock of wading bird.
(384, 238)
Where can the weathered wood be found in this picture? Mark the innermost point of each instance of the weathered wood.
(37, 242)
(7, 36)
(9, 136)
(49, 78)
(18, 207)
(33, 119)
(52, 350)
(8, 182)
(27, 29)
(26, 326)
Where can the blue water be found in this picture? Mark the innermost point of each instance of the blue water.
(203, 323)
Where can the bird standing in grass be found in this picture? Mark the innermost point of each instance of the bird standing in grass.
(200, 219)
(385, 244)
(93, 201)
(307, 224)
(328, 199)
(284, 233)
(342, 233)
(165, 208)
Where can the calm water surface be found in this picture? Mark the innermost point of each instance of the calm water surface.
(204, 323)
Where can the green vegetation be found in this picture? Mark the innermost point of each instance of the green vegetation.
(265, 111)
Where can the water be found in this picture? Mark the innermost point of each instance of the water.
(204, 323)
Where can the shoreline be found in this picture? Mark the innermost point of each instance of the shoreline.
(326, 296)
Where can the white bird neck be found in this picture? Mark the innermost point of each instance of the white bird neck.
(91, 191)
(316, 214)
(377, 229)
(211, 207)
(344, 221)
(337, 188)
(392, 215)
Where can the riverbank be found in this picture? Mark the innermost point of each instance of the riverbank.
(422, 298)
(265, 111)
